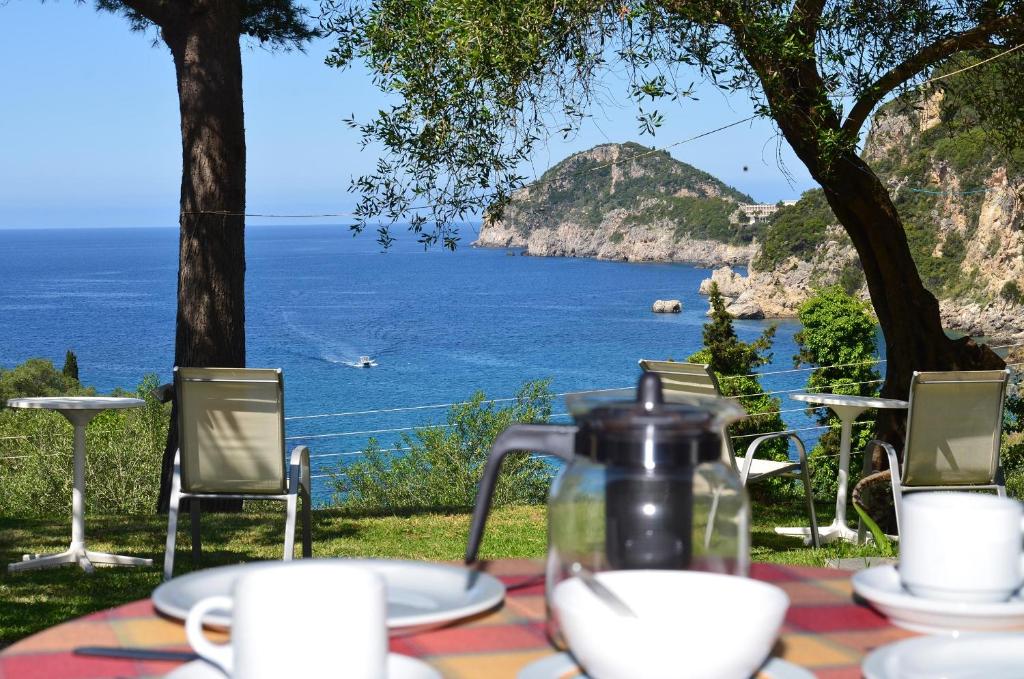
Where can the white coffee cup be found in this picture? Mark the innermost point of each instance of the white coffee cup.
(961, 546)
(305, 619)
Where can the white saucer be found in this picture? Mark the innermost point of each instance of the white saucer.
(559, 665)
(420, 594)
(971, 656)
(881, 587)
(399, 667)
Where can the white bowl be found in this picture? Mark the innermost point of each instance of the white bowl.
(689, 624)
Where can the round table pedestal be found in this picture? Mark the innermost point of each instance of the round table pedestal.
(76, 551)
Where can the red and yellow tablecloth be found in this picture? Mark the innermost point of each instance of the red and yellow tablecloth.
(825, 631)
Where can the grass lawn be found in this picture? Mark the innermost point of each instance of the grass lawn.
(34, 600)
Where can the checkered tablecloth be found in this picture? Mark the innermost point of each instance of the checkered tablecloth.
(825, 631)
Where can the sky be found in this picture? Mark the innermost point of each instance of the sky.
(89, 131)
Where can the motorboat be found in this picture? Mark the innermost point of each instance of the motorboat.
(365, 362)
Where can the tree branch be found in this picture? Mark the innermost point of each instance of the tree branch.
(976, 38)
(805, 18)
(160, 12)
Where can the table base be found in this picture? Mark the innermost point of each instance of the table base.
(831, 533)
(86, 558)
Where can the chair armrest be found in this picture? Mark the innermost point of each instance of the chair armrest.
(164, 393)
(752, 450)
(894, 463)
(298, 470)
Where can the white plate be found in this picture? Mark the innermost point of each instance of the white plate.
(399, 667)
(971, 656)
(420, 594)
(881, 587)
(559, 665)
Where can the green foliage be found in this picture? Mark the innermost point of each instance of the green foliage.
(1011, 453)
(795, 230)
(838, 336)
(70, 369)
(442, 467)
(124, 449)
(36, 377)
(733, 362)
(1011, 292)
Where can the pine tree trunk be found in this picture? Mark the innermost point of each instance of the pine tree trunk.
(210, 324)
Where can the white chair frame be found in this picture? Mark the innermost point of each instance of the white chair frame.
(899, 473)
(298, 487)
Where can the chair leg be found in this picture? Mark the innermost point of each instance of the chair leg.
(197, 541)
(307, 528)
(897, 491)
(809, 494)
(289, 526)
(172, 521)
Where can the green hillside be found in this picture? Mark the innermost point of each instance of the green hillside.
(936, 176)
(652, 187)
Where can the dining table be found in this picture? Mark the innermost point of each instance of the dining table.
(825, 631)
(79, 411)
(847, 408)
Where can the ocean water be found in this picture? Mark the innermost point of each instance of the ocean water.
(440, 325)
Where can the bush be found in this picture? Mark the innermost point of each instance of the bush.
(37, 377)
(733, 362)
(443, 464)
(1011, 292)
(124, 452)
(838, 332)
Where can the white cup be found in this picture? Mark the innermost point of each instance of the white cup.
(307, 619)
(961, 546)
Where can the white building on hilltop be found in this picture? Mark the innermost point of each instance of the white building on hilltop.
(757, 213)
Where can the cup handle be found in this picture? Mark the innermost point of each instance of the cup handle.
(219, 654)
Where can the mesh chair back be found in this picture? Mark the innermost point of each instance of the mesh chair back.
(231, 430)
(953, 428)
(689, 379)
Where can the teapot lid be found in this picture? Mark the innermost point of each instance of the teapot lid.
(647, 431)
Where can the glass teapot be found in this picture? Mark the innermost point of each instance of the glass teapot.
(645, 485)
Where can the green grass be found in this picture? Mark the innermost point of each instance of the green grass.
(34, 600)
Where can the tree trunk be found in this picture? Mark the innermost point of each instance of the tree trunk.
(210, 324)
(907, 312)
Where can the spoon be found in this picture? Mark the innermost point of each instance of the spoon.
(610, 598)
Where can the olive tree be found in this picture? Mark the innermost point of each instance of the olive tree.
(479, 83)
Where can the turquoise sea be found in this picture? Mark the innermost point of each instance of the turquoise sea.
(440, 325)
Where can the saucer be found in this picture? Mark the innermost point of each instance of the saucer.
(971, 656)
(399, 667)
(563, 666)
(881, 587)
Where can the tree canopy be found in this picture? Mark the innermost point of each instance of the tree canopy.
(480, 84)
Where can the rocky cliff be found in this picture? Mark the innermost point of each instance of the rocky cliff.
(625, 202)
(961, 206)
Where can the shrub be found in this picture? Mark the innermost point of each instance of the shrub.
(838, 336)
(37, 377)
(1011, 292)
(443, 464)
(124, 452)
(733, 362)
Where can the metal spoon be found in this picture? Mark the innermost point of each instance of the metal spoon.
(610, 598)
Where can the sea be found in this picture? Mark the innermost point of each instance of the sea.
(440, 325)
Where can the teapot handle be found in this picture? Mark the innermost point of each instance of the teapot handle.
(559, 441)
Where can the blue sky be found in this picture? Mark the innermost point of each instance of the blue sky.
(89, 127)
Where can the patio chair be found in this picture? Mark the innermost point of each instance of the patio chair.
(954, 423)
(231, 445)
(697, 379)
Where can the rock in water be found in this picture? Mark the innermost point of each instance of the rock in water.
(667, 306)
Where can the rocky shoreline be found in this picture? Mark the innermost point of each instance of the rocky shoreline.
(615, 240)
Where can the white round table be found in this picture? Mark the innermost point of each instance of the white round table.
(79, 410)
(848, 408)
